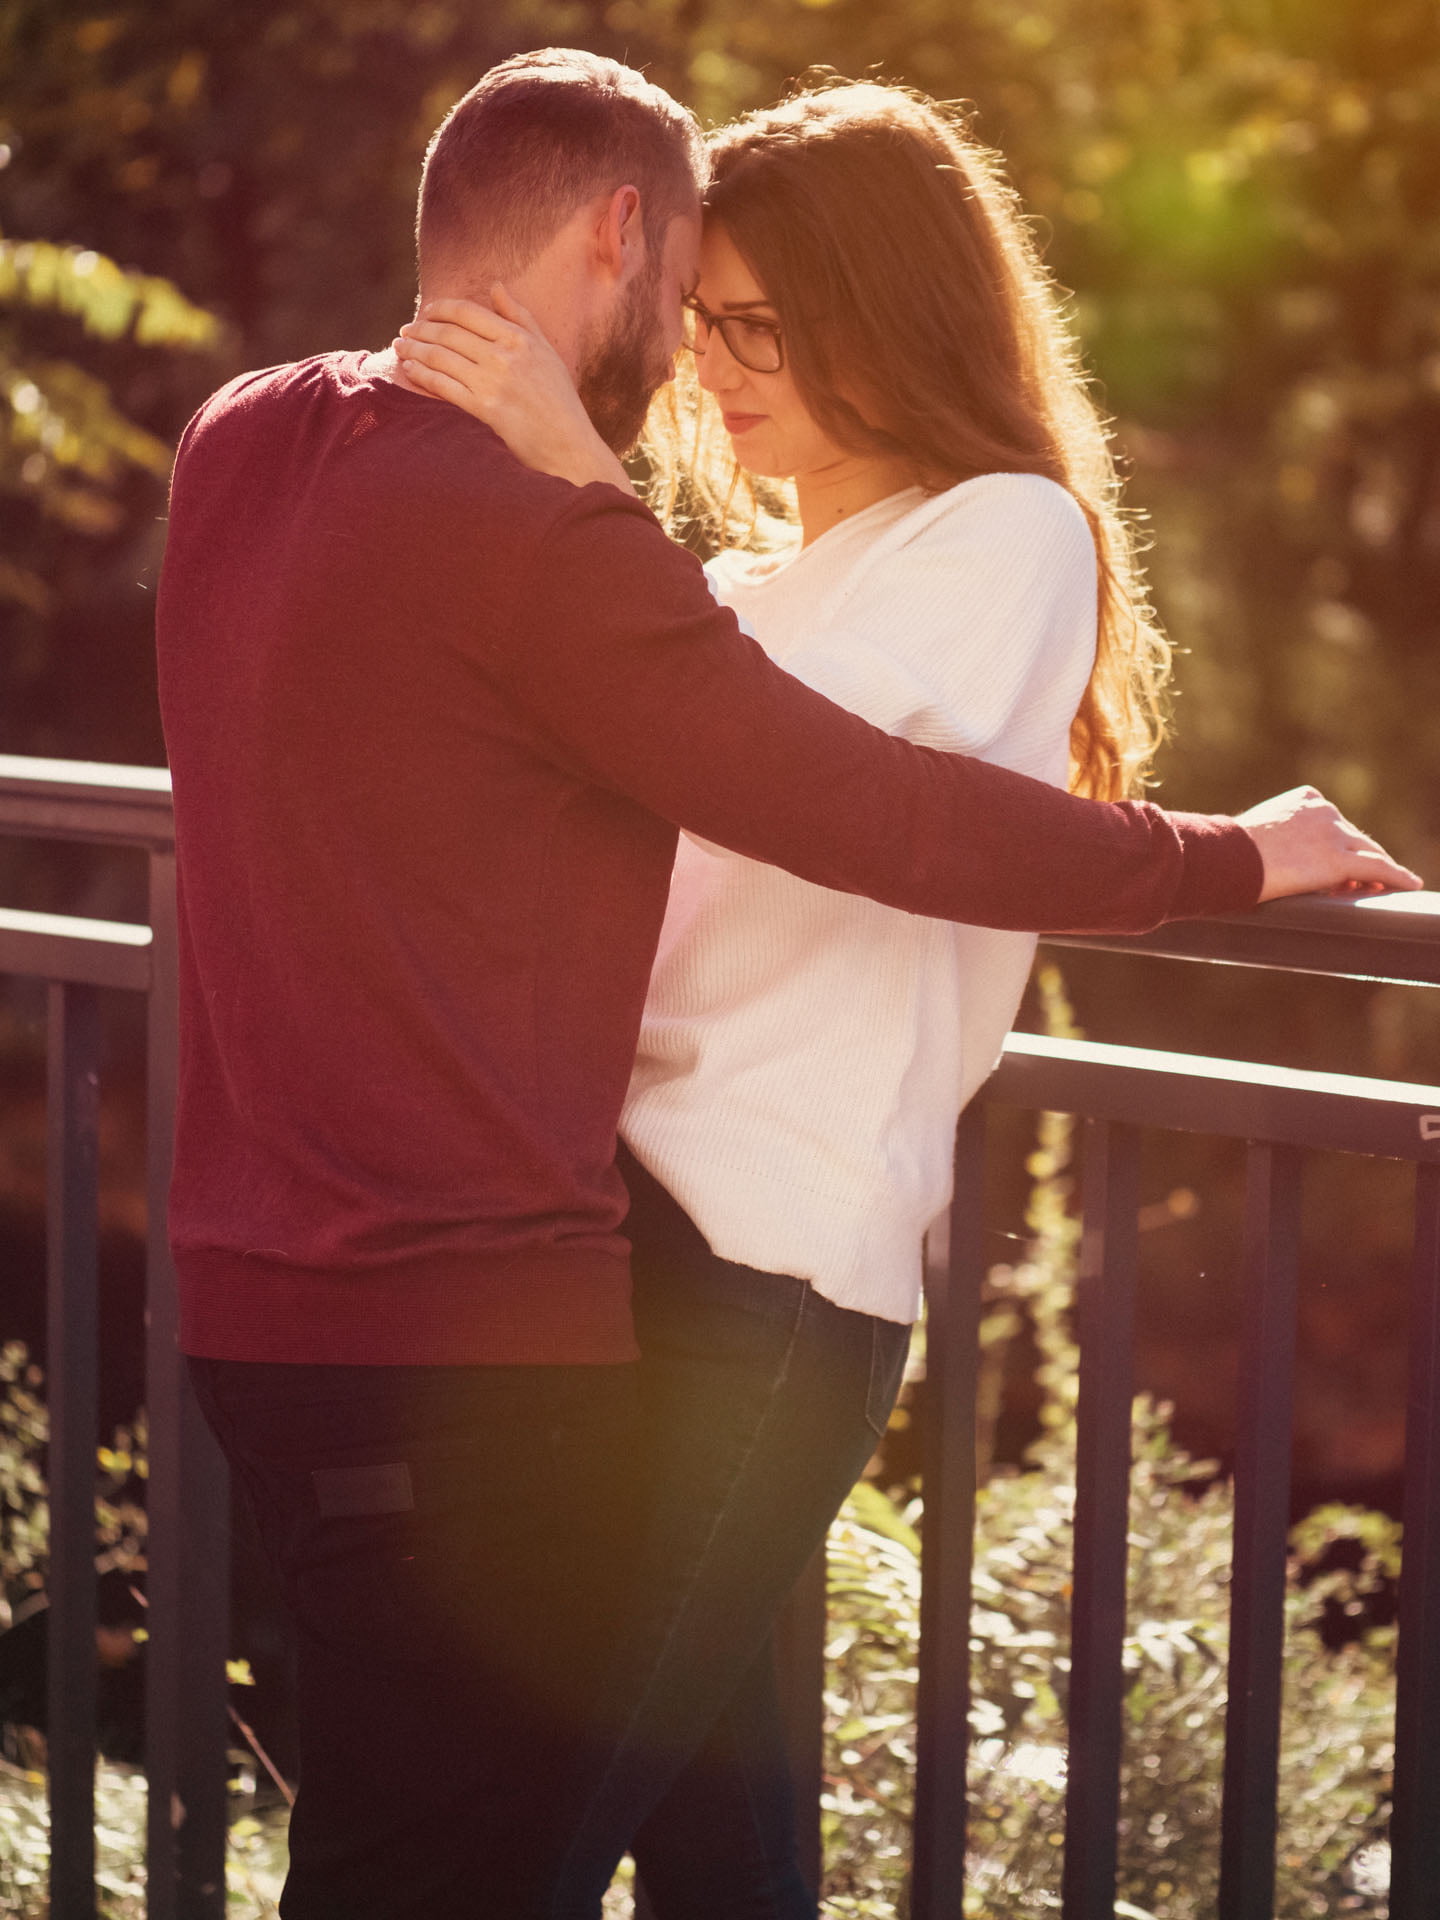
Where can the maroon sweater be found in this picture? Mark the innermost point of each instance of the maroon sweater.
(433, 720)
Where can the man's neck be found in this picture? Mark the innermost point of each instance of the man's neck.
(543, 289)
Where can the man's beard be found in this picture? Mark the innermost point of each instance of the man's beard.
(621, 372)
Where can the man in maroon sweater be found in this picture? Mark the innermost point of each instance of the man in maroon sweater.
(434, 720)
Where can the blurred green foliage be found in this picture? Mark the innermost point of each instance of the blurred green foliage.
(1244, 194)
(24, 1514)
(257, 1845)
(63, 443)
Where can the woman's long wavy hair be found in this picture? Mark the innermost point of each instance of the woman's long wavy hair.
(919, 323)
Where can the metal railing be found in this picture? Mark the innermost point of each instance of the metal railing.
(1115, 1090)
(187, 1579)
(1282, 1114)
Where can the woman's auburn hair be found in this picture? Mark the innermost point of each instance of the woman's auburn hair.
(920, 324)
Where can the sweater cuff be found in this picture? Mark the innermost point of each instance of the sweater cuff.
(1223, 871)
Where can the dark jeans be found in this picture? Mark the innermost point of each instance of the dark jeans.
(454, 1544)
(761, 1402)
(451, 1543)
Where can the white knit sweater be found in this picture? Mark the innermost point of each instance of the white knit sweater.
(805, 1053)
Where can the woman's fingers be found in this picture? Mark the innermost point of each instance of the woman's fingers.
(1373, 865)
(470, 315)
(504, 371)
(441, 371)
(460, 341)
(439, 385)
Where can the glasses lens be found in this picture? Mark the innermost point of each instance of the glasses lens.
(754, 343)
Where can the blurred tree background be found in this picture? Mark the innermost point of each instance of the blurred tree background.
(1244, 197)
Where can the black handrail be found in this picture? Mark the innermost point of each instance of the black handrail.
(1117, 1090)
(1384, 936)
(187, 1579)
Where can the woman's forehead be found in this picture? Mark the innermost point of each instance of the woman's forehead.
(725, 277)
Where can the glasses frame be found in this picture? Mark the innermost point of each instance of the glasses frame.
(721, 323)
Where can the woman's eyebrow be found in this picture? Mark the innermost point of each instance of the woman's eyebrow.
(744, 306)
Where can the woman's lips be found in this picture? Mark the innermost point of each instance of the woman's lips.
(741, 422)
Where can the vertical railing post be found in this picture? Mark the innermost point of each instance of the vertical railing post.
(1415, 1823)
(72, 1245)
(189, 1515)
(1262, 1514)
(948, 1467)
(1106, 1320)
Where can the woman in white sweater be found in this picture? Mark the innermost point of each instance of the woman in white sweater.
(872, 325)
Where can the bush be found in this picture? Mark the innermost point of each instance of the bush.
(1337, 1739)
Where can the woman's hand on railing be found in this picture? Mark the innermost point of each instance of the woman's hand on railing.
(496, 364)
(1308, 846)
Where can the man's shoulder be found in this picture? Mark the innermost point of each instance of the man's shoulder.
(397, 458)
(262, 402)
(292, 382)
(338, 412)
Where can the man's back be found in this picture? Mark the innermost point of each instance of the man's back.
(396, 1119)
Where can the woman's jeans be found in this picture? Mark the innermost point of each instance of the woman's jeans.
(534, 1604)
(761, 1403)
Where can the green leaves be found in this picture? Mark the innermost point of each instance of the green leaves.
(1339, 1705)
(65, 445)
(107, 300)
(24, 1497)
(24, 1517)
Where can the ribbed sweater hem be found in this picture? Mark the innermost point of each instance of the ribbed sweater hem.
(857, 1246)
(554, 1307)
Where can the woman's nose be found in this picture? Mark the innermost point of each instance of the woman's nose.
(715, 365)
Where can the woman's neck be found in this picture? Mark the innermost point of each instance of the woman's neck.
(846, 487)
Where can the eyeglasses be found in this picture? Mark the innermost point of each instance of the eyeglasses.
(756, 344)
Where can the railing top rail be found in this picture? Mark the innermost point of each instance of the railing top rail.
(1198, 1093)
(1383, 916)
(28, 772)
(93, 953)
(1385, 936)
(1377, 937)
(86, 800)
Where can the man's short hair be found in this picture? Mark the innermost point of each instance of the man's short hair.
(535, 139)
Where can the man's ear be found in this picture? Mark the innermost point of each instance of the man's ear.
(619, 234)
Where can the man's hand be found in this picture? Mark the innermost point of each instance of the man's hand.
(1308, 846)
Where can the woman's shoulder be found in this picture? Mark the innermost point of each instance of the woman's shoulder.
(1020, 505)
(1006, 529)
